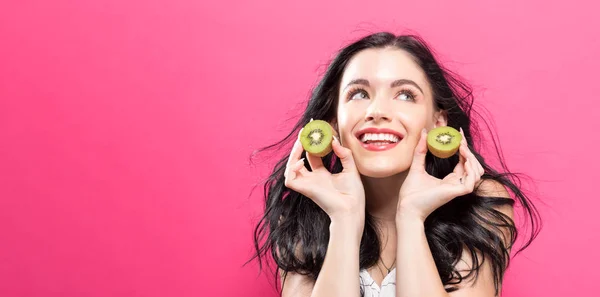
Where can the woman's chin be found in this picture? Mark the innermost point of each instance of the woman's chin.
(383, 171)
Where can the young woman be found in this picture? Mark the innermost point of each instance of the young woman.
(380, 215)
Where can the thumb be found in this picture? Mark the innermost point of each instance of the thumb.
(418, 162)
(344, 154)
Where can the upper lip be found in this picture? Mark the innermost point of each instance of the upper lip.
(361, 132)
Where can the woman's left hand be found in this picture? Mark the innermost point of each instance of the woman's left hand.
(422, 193)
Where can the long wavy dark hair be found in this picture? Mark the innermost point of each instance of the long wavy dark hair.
(294, 231)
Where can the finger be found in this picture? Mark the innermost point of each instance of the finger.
(344, 154)
(464, 138)
(477, 167)
(291, 172)
(314, 161)
(469, 180)
(480, 168)
(298, 181)
(300, 168)
(459, 169)
(420, 153)
(296, 152)
(474, 168)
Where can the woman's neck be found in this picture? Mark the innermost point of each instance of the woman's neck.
(381, 203)
(382, 196)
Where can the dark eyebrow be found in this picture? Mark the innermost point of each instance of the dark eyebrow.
(394, 84)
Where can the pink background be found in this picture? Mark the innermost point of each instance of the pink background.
(124, 152)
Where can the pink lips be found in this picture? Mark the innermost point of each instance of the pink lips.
(382, 146)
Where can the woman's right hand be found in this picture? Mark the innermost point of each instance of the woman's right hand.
(340, 195)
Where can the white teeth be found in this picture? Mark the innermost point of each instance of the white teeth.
(379, 137)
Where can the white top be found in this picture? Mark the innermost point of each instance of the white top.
(371, 289)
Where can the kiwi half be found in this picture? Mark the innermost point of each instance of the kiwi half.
(443, 142)
(316, 138)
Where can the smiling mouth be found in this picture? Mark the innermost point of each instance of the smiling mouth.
(379, 138)
(378, 142)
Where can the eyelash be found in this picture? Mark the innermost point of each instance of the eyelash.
(358, 90)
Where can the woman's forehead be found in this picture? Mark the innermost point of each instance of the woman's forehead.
(382, 66)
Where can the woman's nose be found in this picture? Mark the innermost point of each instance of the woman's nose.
(377, 111)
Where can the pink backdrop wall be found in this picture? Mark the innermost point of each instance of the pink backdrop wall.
(124, 150)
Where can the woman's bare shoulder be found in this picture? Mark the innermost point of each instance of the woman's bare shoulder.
(295, 284)
(494, 189)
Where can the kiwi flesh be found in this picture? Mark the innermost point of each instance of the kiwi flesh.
(316, 138)
(443, 142)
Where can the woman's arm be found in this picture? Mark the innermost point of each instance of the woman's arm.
(416, 273)
(339, 275)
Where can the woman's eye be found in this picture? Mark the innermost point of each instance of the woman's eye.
(360, 94)
(406, 96)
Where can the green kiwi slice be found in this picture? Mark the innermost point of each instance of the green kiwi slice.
(443, 142)
(316, 138)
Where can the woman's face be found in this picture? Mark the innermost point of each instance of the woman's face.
(384, 103)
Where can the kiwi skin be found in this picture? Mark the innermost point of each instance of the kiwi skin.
(448, 150)
(328, 139)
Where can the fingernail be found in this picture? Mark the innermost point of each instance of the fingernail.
(335, 138)
(424, 130)
(311, 119)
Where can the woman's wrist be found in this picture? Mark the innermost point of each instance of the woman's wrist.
(352, 225)
(405, 215)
